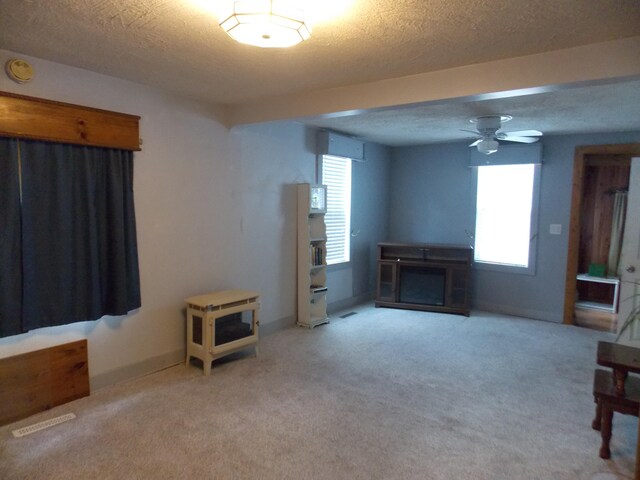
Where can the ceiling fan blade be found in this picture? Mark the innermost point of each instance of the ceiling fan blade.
(475, 143)
(520, 139)
(524, 133)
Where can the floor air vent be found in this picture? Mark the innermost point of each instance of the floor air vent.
(36, 427)
(348, 314)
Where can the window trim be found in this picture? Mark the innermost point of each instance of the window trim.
(534, 232)
(346, 259)
(34, 118)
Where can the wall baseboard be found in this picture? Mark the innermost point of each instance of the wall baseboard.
(519, 312)
(350, 302)
(155, 364)
(280, 324)
(136, 370)
(332, 308)
(161, 362)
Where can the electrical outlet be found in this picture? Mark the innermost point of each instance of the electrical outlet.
(555, 229)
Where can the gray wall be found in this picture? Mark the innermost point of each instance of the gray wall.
(430, 198)
(355, 281)
(431, 201)
(369, 214)
(268, 159)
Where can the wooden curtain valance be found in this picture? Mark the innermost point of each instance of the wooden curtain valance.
(39, 119)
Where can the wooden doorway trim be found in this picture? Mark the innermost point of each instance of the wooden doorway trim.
(630, 149)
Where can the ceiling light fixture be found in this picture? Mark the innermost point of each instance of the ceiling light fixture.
(265, 23)
(488, 146)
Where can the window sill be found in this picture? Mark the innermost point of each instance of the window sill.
(497, 267)
(339, 266)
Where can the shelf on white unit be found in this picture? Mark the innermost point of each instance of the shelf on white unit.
(311, 247)
(585, 277)
(607, 307)
(596, 306)
(314, 322)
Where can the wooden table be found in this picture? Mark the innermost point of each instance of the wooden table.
(608, 402)
(615, 390)
(621, 359)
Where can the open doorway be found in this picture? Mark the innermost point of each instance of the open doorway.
(600, 175)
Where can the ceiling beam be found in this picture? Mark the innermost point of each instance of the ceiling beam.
(605, 62)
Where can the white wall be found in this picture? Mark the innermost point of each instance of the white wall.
(213, 211)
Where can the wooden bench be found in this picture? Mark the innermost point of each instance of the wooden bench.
(608, 401)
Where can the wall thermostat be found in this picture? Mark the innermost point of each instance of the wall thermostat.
(19, 70)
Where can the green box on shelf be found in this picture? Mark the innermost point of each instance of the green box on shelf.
(597, 269)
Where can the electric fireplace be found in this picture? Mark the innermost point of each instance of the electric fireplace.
(424, 277)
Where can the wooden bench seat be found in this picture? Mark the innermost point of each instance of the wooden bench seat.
(608, 401)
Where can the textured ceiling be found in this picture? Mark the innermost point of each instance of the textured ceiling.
(604, 108)
(176, 45)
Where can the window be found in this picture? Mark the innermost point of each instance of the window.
(336, 175)
(506, 213)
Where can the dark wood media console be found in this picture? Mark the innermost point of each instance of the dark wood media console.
(428, 277)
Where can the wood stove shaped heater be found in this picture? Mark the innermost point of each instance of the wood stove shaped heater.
(221, 323)
(430, 277)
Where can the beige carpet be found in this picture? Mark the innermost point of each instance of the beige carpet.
(384, 394)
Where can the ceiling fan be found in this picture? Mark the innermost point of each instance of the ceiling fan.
(487, 127)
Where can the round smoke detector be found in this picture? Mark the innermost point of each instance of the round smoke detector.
(19, 70)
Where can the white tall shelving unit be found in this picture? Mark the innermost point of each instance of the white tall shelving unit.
(312, 255)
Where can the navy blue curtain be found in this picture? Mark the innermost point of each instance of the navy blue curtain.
(10, 240)
(79, 248)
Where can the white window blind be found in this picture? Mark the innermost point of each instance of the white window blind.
(336, 175)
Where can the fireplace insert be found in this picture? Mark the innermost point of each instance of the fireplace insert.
(422, 285)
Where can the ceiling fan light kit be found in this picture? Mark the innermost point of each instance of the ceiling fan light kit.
(488, 146)
(265, 23)
(487, 127)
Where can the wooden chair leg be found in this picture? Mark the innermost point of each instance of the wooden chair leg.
(597, 420)
(607, 419)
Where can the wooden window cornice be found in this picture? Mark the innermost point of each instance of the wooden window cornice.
(40, 119)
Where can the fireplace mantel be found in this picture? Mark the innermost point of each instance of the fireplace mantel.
(421, 276)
